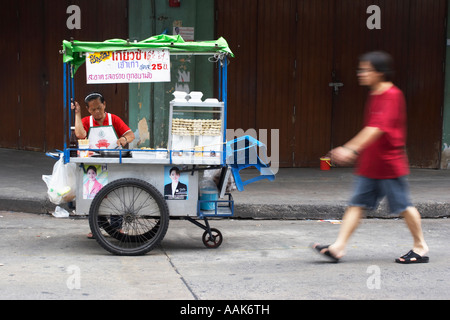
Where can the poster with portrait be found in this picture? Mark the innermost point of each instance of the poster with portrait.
(94, 178)
(175, 183)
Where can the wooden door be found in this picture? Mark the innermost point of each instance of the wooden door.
(21, 80)
(236, 23)
(31, 82)
(314, 64)
(100, 20)
(275, 77)
(260, 82)
(288, 53)
(31, 74)
(424, 73)
(413, 33)
(352, 39)
(9, 82)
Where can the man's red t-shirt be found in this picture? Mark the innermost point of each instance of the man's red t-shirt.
(385, 158)
(119, 126)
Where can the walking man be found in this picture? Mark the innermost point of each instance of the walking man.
(381, 161)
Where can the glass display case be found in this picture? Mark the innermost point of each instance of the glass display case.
(196, 131)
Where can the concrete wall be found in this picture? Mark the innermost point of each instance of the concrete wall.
(149, 103)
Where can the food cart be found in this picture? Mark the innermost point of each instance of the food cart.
(130, 214)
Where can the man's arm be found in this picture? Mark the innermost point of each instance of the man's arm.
(348, 153)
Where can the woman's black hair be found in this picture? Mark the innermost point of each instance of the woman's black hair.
(93, 168)
(381, 61)
(92, 96)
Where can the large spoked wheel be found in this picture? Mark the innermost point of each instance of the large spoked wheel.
(128, 217)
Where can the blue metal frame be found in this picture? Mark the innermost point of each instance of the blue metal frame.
(223, 71)
(69, 94)
(66, 156)
(213, 213)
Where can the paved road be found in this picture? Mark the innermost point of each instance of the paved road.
(42, 257)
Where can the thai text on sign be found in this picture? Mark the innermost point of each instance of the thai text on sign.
(128, 66)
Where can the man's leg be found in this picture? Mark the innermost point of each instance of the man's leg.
(350, 222)
(365, 195)
(413, 221)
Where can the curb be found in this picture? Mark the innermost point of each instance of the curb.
(429, 210)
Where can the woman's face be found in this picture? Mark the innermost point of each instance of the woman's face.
(97, 109)
(174, 176)
(91, 174)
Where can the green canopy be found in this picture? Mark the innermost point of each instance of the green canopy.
(72, 49)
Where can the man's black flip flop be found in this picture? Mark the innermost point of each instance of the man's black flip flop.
(412, 257)
(318, 248)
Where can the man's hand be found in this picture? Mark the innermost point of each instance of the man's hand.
(343, 156)
(349, 152)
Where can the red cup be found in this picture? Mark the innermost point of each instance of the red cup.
(325, 163)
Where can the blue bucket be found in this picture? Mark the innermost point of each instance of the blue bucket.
(209, 195)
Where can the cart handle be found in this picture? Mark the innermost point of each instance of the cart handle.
(54, 154)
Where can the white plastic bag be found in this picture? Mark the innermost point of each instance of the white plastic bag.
(61, 184)
(214, 175)
(60, 212)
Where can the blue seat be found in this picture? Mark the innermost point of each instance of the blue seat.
(245, 152)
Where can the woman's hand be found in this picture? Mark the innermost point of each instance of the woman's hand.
(75, 106)
(122, 141)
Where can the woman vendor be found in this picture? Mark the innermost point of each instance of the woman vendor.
(104, 130)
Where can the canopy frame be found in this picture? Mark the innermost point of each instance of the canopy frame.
(74, 56)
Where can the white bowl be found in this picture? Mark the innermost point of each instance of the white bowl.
(179, 95)
(211, 100)
(196, 95)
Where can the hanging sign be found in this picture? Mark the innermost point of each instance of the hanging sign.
(128, 66)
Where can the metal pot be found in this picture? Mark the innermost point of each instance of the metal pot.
(114, 154)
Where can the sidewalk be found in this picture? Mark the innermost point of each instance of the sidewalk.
(296, 193)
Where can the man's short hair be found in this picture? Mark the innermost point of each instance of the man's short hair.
(177, 171)
(381, 61)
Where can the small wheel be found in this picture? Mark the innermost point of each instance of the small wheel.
(213, 241)
(128, 217)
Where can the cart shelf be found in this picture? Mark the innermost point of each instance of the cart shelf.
(222, 208)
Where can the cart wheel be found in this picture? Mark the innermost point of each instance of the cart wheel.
(213, 241)
(128, 217)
